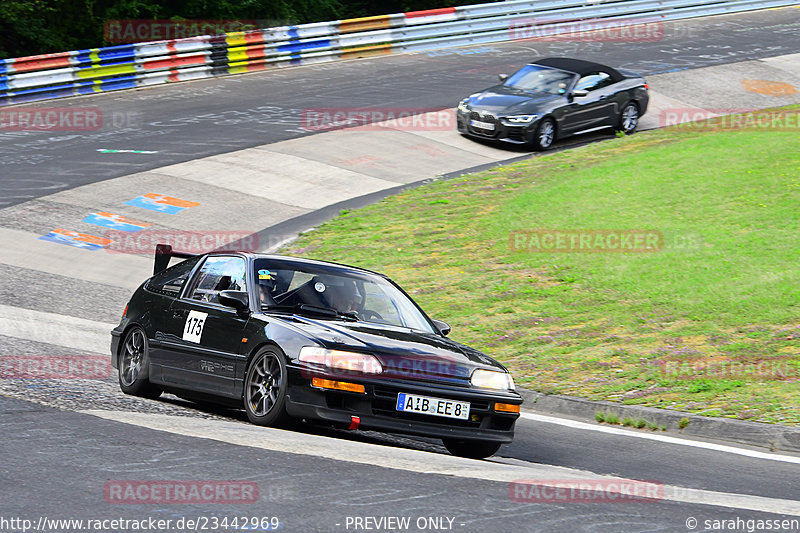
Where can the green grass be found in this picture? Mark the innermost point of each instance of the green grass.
(663, 329)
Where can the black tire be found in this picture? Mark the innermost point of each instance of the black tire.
(265, 385)
(545, 135)
(628, 118)
(133, 365)
(473, 449)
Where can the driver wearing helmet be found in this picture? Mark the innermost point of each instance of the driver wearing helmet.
(266, 287)
(344, 296)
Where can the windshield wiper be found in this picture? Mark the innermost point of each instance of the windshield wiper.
(315, 309)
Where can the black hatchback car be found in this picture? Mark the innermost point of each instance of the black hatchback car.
(289, 338)
(554, 98)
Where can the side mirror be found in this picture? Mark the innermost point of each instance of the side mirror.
(502, 77)
(236, 299)
(443, 327)
(580, 92)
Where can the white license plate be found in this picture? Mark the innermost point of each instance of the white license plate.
(481, 125)
(411, 403)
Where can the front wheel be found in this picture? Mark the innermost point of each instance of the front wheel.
(629, 118)
(545, 135)
(265, 389)
(134, 366)
(473, 449)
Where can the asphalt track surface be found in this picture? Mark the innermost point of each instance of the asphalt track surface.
(58, 461)
(191, 120)
(307, 493)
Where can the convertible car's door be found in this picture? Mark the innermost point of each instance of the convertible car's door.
(593, 110)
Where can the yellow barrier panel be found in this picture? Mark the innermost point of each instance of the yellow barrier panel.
(365, 24)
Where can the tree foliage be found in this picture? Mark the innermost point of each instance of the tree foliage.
(30, 27)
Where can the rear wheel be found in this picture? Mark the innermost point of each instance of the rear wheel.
(265, 389)
(134, 366)
(545, 135)
(629, 118)
(473, 449)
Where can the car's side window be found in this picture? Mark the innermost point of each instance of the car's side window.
(218, 273)
(170, 281)
(594, 81)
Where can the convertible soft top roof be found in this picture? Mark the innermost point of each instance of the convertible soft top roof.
(578, 66)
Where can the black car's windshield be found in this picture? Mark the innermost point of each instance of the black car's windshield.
(335, 292)
(538, 79)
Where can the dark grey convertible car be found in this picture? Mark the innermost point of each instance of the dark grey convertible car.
(554, 98)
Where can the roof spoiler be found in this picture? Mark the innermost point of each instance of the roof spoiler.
(163, 255)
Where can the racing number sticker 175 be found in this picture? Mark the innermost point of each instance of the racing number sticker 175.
(194, 326)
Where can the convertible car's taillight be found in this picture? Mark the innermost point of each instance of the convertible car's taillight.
(125, 312)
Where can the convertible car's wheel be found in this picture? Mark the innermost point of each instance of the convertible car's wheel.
(545, 135)
(265, 389)
(474, 449)
(629, 118)
(134, 366)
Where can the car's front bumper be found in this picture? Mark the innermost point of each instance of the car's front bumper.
(376, 409)
(518, 134)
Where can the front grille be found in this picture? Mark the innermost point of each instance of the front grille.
(490, 119)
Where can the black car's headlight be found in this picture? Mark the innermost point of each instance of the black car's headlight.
(342, 361)
(491, 379)
(521, 119)
(463, 105)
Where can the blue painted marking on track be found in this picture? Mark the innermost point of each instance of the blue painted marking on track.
(70, 240)
(113, 222)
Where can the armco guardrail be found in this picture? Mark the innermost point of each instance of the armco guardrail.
(95, 70)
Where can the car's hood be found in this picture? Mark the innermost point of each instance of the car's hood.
(400, 350)
(500, 100)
